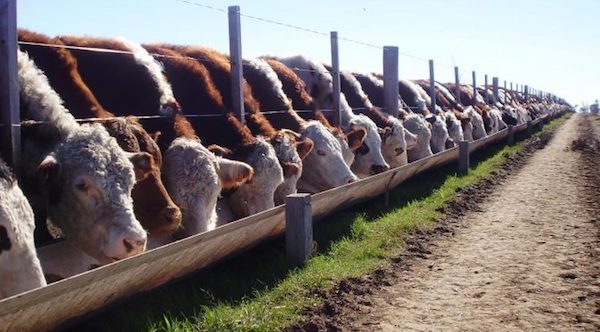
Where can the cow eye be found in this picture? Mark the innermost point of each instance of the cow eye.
(321, 152)
(363, 149)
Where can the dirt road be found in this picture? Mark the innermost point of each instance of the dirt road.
(527, 258)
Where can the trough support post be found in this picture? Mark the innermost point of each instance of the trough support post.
(10, 129)
(510, 138)
(390, 79)
(463, 157)
(495, 88)
(457, 84)
(298, 228)
(432, 85)
(235, 59)
(474, 101)
(529, 128)
(335, 72)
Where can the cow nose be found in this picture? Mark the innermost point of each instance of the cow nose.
(172, 215)
(134, 245)
(376, 169)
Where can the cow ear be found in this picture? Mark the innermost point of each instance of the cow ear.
(219, 150)
(290, 168)
(49, 169)
(356, 137)
(143, 163)
(233, 173)
(304, 147)
(155, 136)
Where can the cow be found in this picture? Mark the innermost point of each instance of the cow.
(318, 80)
(268, 90)
(152, 205)
(395, 139)
(78, 173)
(197, 186)
(416, 124)
(20, 268)
(222, 133)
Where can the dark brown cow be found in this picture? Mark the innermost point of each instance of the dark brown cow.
(293, 87)
(152, 205)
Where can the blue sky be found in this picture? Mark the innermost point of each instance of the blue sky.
(551, 45)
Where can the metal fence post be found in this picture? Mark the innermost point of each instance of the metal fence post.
(495, 87)
(10, 121)
(390, 79)
(432, 85)
(463, 157)
(235, 59)
(474, 88)
(457, 83)
(298, 228)
(335, 72)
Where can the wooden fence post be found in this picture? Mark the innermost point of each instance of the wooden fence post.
(390, 79)
(432, 86)
(505, 92)
(298, 228)
(510, 138)
(457, 83)
(463, 157)
(10, 122)
(526, 93)
(335, 72)
(235, 59)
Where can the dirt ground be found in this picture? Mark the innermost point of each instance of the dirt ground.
(518, 251)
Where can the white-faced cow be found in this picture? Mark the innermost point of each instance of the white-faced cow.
(78, 174)
(20, 268)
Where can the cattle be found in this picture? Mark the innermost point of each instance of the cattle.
(416, 124)
(197, 185)
(20, 268)
(318, 80)
(152, 205)
(327, 165)
(220, 131)
(269, 92)
(395, 139)
(78, 173)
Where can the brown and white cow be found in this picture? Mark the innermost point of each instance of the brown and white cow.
(20, 268)
(318, 80)
(216, 127)
(78, 173)
(327, 165)
(152, 205)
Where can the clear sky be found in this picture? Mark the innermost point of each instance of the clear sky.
(552, 45)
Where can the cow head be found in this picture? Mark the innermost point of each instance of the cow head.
(89, 180)
(417, 125)
(258, 194)
(439, 133)
(368, 159)
(195, 178)
(290, 149)
(477, 122)
(454, 126)
(152, 204)
(20, 268)
(325, 166)
(393, 143)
